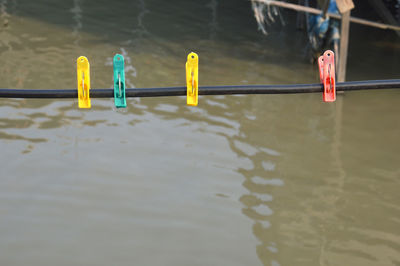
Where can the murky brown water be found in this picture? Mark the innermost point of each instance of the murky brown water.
(238, 180)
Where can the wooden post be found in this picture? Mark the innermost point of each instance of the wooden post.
(344, 7)
(344, 43)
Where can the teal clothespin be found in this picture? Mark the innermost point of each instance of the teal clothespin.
(119, 81)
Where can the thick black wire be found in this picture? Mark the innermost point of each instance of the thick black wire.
(205, 90)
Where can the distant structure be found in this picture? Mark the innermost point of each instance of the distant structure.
(327, 22)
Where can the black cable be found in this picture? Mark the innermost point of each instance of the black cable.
(205, 90)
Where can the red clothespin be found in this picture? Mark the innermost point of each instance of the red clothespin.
(321, 68)
(326, 65)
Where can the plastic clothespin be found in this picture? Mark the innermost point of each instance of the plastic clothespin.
(119, 81)
(83, 74)
(192, 79)
(321, 68)
(326, 65)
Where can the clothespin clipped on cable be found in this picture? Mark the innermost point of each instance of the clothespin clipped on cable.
(119, 81)
(321, 68)
(326, 65)
(192, 79)
(83, 74)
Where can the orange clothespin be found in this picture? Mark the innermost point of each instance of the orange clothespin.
(326, 65)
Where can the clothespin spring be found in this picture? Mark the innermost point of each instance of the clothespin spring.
(192, 82)
(119, 84)
(83, 84)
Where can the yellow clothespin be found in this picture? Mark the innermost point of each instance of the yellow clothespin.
(192, 79)
(83, 72)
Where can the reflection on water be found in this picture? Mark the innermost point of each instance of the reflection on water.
(238, 180)
(213, 5)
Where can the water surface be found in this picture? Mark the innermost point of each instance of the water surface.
(238, 180)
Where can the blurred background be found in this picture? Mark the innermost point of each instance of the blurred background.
(237, 180)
